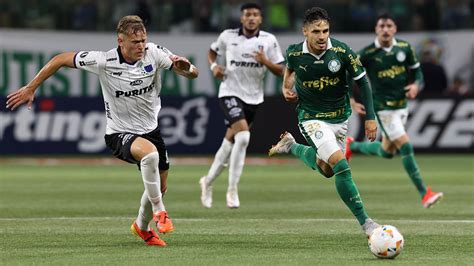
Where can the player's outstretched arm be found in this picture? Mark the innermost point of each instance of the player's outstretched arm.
(287, 88)
(183, 67)
(26, 94)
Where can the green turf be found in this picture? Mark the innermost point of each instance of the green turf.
(289, 215)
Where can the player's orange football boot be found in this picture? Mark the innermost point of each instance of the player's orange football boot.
(430, 198)
(163, 222)
(150, 237)
(348, 154)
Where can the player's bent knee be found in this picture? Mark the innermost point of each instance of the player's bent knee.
(151, 159)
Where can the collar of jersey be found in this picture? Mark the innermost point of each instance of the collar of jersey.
(241, 32)
(387, 49)
(121, 59)
(306, 51)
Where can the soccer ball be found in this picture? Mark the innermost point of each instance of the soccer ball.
(386, 242)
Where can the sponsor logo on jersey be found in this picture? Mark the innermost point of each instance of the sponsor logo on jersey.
(111, 59)
(295, 53)
(391, 72)
(321, 83)
(84, 54)
(338, 50)
(246, 55)
(136, 92)
(355, 62)
(107, 110)
(401, 56)
(116, 73)
(87, 63)
(136, 82)
(334, 65)
(245, 64)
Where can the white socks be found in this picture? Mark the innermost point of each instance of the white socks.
(222, 156)
(151, 181)
(145, 213)
(237, 158)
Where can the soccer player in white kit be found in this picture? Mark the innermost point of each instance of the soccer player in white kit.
(248, 52)
(130, 80)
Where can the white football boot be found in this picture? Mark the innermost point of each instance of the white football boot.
(206, 193)
(369, 226)
(232, 197)
(284, 145)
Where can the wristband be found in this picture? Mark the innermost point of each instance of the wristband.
(213, 65)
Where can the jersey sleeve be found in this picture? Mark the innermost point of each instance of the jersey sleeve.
(219, 46)
(353, 64)
(90, 61)
(161, 55)
(412, 58)
(289, 62)
(274, 53)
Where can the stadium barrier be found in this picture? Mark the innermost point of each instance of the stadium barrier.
(194, 125)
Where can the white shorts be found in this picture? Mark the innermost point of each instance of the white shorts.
(392, 122)
(327, 138)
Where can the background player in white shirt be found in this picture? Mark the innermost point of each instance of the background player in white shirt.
(130, 80)
(248, 52)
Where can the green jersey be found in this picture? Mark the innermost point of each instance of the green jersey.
(320, 80)
(387, 69)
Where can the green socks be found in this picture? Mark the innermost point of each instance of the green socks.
(370, 148)
(305, 153)
(409, 163)
(348, 191)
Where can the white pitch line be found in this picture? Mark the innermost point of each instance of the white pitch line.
(220, 219)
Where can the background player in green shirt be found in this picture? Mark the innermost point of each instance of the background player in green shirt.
(318, 68)
(388, 61)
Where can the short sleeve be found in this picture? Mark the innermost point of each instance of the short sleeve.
(274, 53)
(289, 63)
(219, 46)
(89, 61)
(412, 58)
(353, 64)
(161, 55)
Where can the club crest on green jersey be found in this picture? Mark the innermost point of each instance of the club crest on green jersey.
(401, 56)
(334, 65)
(319, 134)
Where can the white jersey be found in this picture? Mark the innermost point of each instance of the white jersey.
(243, 74)
(131, 91)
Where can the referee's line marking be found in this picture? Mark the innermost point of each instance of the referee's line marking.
(7, 219)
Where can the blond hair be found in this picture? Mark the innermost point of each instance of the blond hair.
(130, 25)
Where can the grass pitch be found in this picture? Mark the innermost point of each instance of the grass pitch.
(289, 215)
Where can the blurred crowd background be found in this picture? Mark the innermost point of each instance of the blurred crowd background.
(178, 16)
(175, 17)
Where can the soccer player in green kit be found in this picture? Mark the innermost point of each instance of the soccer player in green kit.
(318, 67)
(388, 61)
